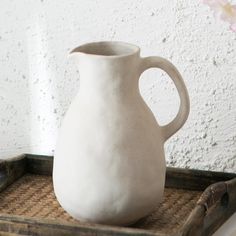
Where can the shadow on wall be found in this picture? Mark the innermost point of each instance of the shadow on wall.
(14, 96)
(41, 88)
(26, 99)
(35, 87)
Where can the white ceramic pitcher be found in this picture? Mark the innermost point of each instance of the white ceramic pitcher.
(109, 164)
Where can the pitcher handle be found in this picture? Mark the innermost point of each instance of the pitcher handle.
(182, 115)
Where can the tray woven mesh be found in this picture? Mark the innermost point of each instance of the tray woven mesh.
(33, 196)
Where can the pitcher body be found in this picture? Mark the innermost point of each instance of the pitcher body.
(109, 164)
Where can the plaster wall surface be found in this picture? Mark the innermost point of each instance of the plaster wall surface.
(38, 82)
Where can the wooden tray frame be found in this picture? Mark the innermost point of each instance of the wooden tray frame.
(215, 206)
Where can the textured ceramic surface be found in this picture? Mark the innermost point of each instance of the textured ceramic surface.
(109, 162)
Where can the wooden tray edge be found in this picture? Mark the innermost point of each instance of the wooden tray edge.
(35, 226)
(215, 206)
(11, 170)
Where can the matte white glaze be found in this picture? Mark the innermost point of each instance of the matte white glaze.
(109, 162)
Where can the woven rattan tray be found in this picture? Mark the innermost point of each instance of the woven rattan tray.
(195, 203)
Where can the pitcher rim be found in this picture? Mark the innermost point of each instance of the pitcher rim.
(83, 49)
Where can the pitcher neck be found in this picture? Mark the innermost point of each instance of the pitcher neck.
(103, 69)
(108, 65)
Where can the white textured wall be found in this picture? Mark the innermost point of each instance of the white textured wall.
(37, 82)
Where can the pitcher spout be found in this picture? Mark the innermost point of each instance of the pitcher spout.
(74, 54)
(110, 49)
(101, 62)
